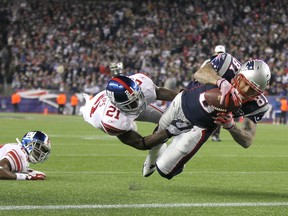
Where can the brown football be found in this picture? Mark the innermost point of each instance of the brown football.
(213, 97)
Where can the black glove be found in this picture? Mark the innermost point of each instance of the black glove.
(177, 127)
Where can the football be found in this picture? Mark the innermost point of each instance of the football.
(213, 97)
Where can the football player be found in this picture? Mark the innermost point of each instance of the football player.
(245, 83)
(128, 99)
(34, 147)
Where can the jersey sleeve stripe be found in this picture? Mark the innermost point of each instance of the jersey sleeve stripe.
(112, 130)
(16, 160)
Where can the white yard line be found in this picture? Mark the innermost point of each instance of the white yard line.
(195, 172)
(171, 205)
(141, 155)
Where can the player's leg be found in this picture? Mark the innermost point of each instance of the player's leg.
(171, 113)
(180, 151)
(151, 114)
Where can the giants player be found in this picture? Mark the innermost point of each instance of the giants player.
(14, 158)
(125, 100)
(245, 83)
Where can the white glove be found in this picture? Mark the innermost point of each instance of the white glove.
(226, 120)
(177, 127)
(34, 175)
(226, 89)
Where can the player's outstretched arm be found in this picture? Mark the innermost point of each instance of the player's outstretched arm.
(134, 139)
(245, 133)
(207, 75)
(242, 135)
(6, 174)
(166, 94)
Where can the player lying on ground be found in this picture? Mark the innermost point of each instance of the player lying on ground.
(34, 147)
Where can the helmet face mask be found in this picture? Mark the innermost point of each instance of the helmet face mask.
(37, 146)
(126, 95)
(252, 79)
(247, 90)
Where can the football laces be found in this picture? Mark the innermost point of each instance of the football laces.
(219, 109)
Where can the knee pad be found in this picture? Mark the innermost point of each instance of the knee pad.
(169, 175)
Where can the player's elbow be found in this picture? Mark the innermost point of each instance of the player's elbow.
(246, 144)
(138, 145)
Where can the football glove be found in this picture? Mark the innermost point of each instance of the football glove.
(34, 175)
(177, 127)
(226, 90)
(226, 120)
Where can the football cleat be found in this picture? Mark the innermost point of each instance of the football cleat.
(150, 163)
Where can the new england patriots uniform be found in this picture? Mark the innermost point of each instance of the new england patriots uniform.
(191, 105)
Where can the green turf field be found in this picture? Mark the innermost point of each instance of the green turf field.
(90, 173)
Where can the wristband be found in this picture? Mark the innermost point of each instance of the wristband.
(169, 135)
(230, 128)
(144, 144)
(21, 176)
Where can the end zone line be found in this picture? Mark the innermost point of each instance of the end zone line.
(119, 206)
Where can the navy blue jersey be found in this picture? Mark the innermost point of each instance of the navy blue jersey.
(198, 112)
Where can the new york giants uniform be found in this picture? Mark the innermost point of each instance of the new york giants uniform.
(102, 114)
(190, 105)
(16, 156)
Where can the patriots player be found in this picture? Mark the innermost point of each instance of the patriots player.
(245, 83)
(34, 147)
(125, 100)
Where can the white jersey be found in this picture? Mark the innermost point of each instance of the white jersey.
(16, 156)
(102, 114)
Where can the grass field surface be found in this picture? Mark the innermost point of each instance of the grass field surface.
(91, 173)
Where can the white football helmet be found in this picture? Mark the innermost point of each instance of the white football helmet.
(256, 74)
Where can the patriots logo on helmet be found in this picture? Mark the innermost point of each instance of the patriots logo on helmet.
(250, 65)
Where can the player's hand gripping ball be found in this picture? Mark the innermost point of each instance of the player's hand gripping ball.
(213, 97)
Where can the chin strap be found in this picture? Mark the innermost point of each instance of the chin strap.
(18, 141)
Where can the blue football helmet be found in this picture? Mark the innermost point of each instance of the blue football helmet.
(126, 95)
(37, 146)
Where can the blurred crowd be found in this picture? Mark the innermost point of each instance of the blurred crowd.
(68, 45)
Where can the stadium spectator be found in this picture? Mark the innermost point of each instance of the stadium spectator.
(34, 147)
(81, 43)
(15, 101)
(277, 111)
(251, 80)
(74, 103)
(61, 101)
(170, 83)
(284, 110)
(217, 50)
